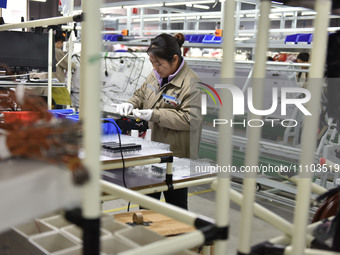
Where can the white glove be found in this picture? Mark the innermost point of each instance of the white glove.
(143, 114)
(124, 109)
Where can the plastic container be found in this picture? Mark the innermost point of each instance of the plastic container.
(211, 39)
(196, 38)
(24, 117)
(57, 221)
(114, 226)
(75, 233)
(138, 236)
(61, 113)
(113, 245)
(52, 242)
(291, 39)
(304, 39)
(109, 128)
(32, 228)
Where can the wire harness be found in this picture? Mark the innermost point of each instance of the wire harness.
(46, 138)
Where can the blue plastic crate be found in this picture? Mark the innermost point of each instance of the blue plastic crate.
(304, 38)
(196, 38)
(61, 113)
(187, 37)
(115, 38)
(212, 39)
(109, 128)
(291, 39)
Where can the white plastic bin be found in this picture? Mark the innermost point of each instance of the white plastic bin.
(114, 245)
(75, 233)
(32, 228)
(113, 226)
(138, 236)
(52, 242)
(57, 221)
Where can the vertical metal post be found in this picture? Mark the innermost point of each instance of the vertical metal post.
(225, 145)
(49, 75)
(254, 133)
(90, 116)
(70, 52)
(238, 18)
(128, 21)
(310, 125)
(294, 21)
(142, 11)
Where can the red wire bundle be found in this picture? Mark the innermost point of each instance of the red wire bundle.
(47, 139)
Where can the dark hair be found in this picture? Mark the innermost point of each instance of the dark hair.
(59, 37)
(165, 46)
(303, 56)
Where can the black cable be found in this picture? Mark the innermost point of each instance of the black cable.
(120, 149)
(106, 73)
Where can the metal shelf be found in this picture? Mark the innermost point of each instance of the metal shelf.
(273, 45)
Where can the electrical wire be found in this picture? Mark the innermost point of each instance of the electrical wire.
(121, 154)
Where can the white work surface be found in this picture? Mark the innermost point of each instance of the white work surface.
(29, 189)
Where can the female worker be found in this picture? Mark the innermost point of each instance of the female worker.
(170, 101)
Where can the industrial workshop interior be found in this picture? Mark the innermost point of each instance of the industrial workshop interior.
(169, 127)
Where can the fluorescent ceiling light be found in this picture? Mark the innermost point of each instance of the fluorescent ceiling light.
(201, 6)
(287, 14)
(241, 38)
(190, 2)
(276, 15)
(43, 1)
(210, 17)
(275, 2)
(106, 9)
(250, 15)
(308, 13)
(144, 5)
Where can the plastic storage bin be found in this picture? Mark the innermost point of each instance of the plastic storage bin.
(138, 236)
(24, 117)
(113, 226)
(196, 38)
(52, 242)
(57, 221)
(113, 245)
(61, 113)
(32, 228)
(291, 39)
(211, 39)
(304, 39)
(75, 233)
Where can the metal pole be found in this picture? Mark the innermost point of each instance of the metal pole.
(151, 203)
(224, 152)
(69, 63)
(49, 75)
(309, 132)
(38, 23)
(70, 52)
(264, 214)
(90, 109)
(254, 133)
(171, 245)
(178, 185)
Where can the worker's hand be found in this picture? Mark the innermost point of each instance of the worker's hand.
(143, 114)
(124, 109)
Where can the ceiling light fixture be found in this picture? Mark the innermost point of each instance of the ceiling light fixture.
(201, 6)
(275, 2)
(144, 5)
(190, 2)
